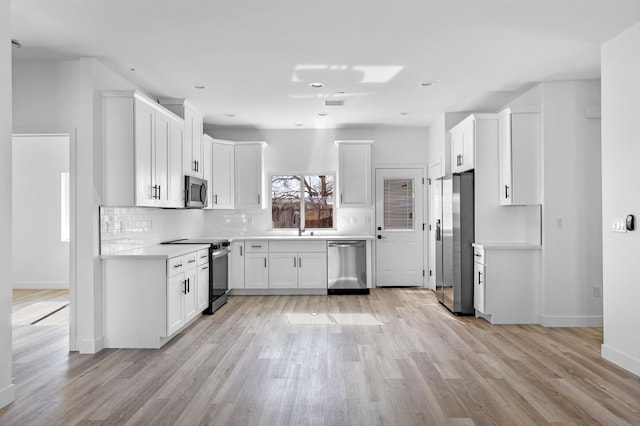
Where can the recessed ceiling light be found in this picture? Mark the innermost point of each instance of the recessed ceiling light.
(299, 124)
(229, 115)
(322, 114)
(339, 93)
(132, 69)
(404, 113)
(316, 85)
(15, 43)
(427, 83)
(199, 86)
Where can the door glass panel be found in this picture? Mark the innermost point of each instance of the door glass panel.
(285, 201)
(318, 201)
(398, 204)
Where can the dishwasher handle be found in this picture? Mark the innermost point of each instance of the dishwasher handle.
(346, 244)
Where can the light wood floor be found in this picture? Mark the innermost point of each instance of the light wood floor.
(247, 364)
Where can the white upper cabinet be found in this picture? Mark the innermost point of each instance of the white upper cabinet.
(248, 175)
(139, 141)
(519, 157)
(463, 145)
(176, 178)
(223, 174)
(192, 148)
(354, 173)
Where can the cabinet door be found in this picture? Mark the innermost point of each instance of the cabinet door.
(176, 287)
(248, 176)
(207, 171)
(479, 288)
(463, 146)
(143, 140)
(355, 174)
(202, 288)
(188, 165)
(161, 159)
(283, 270)
(223, 176)
(197, 150)
(176, 177)
(190, 297)
(504, 155)
(312, 270)
(256, 271)
(525, 158)
(236, 268)
(457, 149)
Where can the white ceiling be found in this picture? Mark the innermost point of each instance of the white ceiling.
(257, 57)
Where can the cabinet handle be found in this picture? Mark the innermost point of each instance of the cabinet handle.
(188, 285)
(294, 261)
(459, 160)
(341, 198)
(300, 262)
(179, 265)
(159, 192)
(258, 198)
(479, 277)
(265, 262)
(203, 257)
(256, 246)
(240, 250)
(215, 198)
(191, 261)
(506, 191)
(204, 268)
(184, 291)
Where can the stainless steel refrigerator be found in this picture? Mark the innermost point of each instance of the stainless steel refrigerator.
(454, 238)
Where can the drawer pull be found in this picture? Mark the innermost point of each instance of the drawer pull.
(256, 246)
(179, 265)
(204, 268)
(191, 261)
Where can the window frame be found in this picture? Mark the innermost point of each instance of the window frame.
(301, 175)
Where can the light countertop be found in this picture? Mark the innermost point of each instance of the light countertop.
(508, 246)
(160, 251)
(301, 238)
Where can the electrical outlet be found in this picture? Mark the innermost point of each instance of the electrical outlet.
(597, 291)
(619, 225)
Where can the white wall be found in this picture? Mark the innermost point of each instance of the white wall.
(315, 150)
(621, 196)
(63, 96)
(571, 200)
(7, 391)
(37, 163)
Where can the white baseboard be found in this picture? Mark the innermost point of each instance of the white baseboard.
(90, 346)
(38, 285)
(7, 395)
(571, 321)
(621, 359)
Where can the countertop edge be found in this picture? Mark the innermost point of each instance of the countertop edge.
(508, 246)
(160, 251)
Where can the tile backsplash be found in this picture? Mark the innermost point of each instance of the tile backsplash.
(124, 228)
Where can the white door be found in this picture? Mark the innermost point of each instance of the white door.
(399, 227)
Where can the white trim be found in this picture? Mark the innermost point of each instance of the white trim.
(621, 359)
(91, 346)
(338, 142)
(571, 321)
(7, 395)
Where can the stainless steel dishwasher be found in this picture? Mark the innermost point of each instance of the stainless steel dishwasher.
(347, 267)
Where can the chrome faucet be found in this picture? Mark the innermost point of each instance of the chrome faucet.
(300, 228)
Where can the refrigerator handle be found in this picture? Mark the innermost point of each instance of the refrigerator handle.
(438, 231)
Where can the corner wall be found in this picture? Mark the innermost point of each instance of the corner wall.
(620, 197)
(7, 390)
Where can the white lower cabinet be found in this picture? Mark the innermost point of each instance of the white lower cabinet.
(256, 264)
(236, 265)
(283, 269)
(147, 300)
(312, 270)
(506, 283)
(202, 287)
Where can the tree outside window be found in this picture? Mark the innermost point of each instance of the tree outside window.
(305, 198)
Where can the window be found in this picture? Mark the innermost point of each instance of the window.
(304, 199)
(398, 204)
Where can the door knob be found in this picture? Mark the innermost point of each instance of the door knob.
(379, 228)
(379, 237)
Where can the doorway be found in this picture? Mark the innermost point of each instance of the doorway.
(42, 240)
(399, 227)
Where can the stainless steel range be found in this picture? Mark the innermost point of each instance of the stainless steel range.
(218, 269)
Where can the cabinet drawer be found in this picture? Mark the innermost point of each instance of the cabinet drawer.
(203, 256)
(298, 246)
(175, 265)
(478, 255)
(256, 246)
(190, 260)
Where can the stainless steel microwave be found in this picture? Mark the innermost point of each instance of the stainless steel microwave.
(195, 194)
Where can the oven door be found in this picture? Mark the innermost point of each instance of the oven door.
(195, 192)
(219, 274)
